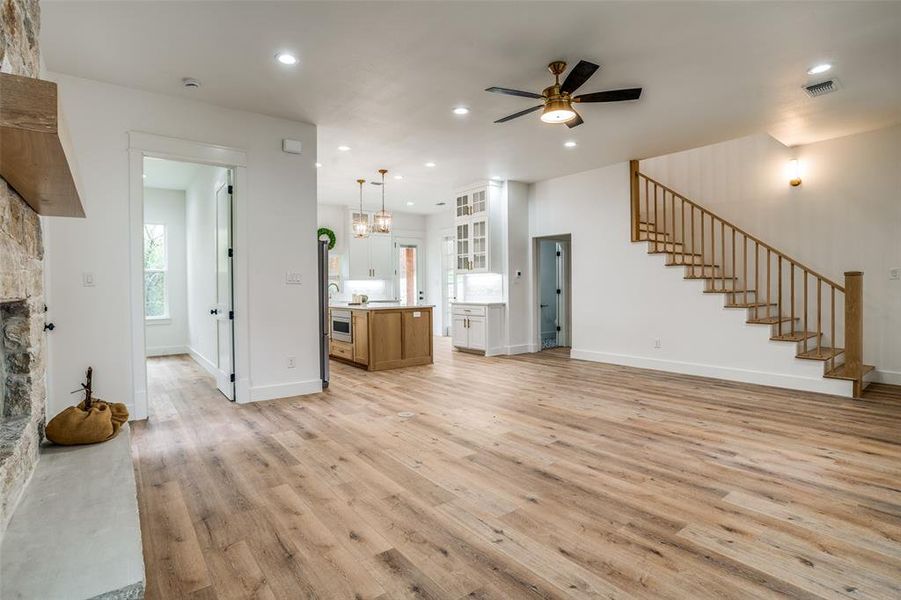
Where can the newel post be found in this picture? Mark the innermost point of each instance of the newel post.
(633, 184)
(854, 328)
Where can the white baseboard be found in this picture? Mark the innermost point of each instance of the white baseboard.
(285, 390)
(201, 360)
(822, 385)
(882, 376)
(166, 350)
(519, 349)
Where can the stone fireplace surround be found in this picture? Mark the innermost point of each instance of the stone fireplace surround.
(22, 342)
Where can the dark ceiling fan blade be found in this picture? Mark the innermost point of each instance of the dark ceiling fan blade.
(520, 113)
(579, 75)
(575, 121)
(610, 96)
(509, 92)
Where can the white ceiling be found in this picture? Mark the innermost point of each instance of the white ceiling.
(169, 174)
(382, 77)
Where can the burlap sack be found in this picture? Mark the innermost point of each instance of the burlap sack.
(75, 425)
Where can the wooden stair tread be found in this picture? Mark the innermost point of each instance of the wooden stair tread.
(688, 264)
(772, 320)
(693, 276)
(795, 336)
(844, 372)
(821, 353)
(749, 304)
(671, 253)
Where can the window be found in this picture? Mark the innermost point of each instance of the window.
(156, 266)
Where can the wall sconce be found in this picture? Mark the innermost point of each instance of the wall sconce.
(794, 172)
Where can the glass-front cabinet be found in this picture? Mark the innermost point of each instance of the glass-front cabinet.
(473, 221)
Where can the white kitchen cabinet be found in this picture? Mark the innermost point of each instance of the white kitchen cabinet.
(478, 221)
(478, 327)
(370, 257)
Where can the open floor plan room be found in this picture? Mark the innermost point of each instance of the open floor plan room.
(547, 478)
(428, 299)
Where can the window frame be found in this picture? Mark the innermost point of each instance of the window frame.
(166, 317)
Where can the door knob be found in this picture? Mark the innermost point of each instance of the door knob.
(214, 311)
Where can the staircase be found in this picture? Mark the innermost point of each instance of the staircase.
(800, 306)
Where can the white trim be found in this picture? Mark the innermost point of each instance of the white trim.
(519, 349)
(164, 320)
(837, 387)
(166, 350)
(883, 376)
(285, 390)
(201, 360)
(141, 144)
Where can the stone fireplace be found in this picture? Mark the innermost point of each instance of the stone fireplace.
(22, 344)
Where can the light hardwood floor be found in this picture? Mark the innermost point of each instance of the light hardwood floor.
(518, 477)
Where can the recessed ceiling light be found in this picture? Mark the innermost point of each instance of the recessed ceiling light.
(343, 148)
(819, 69)
(317, 165)
(461, 110)
(570, 144)
(430, 164)
(410, 203)
(286, 58)
(398, 177)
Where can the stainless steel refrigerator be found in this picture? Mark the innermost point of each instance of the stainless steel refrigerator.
(323, 313)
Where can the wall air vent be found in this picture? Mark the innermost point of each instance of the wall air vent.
(822, 88)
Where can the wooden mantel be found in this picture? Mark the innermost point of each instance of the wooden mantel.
(32, 158)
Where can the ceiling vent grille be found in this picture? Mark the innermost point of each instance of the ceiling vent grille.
(822, 88)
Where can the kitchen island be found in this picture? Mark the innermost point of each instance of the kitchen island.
(380, 336)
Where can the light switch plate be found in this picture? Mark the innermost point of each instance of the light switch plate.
(293, 278)
(894, 273)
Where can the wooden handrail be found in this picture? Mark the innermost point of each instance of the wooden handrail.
(743, 232)
(716, 261)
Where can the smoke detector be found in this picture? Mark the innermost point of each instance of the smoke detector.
(190, 83)
(822, 88)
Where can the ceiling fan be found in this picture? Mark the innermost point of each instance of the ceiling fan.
(558, 98)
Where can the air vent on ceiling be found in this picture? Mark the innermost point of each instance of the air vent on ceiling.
(822, 88)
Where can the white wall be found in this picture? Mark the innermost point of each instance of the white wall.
(845, 216)
(201, 260)
(169, 336)
(280, 217)
(623, 298)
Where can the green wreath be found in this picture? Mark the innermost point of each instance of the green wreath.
(325, 231)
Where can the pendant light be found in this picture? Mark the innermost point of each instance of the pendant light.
(361, 221)
(382, 221)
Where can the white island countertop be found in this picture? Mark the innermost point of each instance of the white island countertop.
(378, 305)
(479, 303)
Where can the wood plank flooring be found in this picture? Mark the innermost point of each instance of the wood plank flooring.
(534, 476)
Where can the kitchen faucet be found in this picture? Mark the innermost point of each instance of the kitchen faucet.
(337, 288)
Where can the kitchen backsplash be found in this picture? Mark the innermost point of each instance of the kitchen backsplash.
(480, 287)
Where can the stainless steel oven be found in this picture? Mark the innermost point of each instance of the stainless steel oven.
(340, 327)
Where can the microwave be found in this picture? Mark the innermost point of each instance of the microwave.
(340, 328)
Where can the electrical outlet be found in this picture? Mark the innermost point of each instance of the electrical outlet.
(292, 362)
(657, 343)
(894, 273)
(87, 279)
(293, 278)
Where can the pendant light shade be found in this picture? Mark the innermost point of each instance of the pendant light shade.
(381, 223)
(360, 223)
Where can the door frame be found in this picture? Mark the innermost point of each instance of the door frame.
(421, 280)
(564, 336)
(220, 376)
(142, 145)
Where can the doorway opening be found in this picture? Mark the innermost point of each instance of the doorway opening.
(553, 291)
(188, 291)
(448, 281)
(410, 276)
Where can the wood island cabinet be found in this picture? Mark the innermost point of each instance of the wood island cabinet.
(388, 337)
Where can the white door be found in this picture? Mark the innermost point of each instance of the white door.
(225, 350)
(459, 331)
(381, 257)
(358, 259)
(476, 332)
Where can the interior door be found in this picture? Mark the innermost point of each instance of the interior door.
(549, 298)
(225, 320)
(410, 267)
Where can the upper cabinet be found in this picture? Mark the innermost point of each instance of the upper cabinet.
(478, 225)
(370, 257)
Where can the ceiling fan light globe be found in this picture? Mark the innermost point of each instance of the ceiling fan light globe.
(561, 115)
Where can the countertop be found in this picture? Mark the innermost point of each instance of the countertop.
(378, 306)
(479, 303)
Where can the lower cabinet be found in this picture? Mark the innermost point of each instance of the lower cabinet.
(360, 327)
(478, 327)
